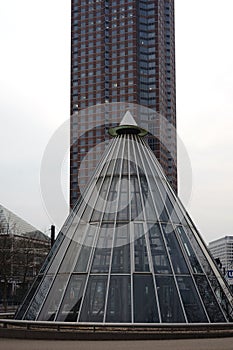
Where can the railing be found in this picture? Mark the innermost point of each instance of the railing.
(7, 315)
(91, 331)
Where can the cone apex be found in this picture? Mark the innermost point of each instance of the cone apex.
(127, 125)
(128, 119)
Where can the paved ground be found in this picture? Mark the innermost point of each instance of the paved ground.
(190, 344)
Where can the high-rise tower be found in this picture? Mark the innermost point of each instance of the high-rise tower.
(122, 51)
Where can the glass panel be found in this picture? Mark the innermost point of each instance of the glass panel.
(144, 186)
(165, 198)
(94, 300)
(169, 300)
(160, 205)
(38, 300)
(27, 300)
(209, 300)
(191, 301)
(69, 309)
(101, 194)
(111, 205)
(123, 204)
(189, 250)
(139, 193)
(177, 258)
(53, 251)
(59, 256)
(140, 249)
(119, 300)
(121, 250)
(136, 205)
(145, 306)
(150, 211)
(158, 252)
(102, 255)
(117, 170)
(69, 257)
(204, 263)
(53, 299)
(111, 165)
(125, 169)
(81, 265)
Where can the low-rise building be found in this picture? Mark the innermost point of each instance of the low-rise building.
(22, 252)
(222, 250)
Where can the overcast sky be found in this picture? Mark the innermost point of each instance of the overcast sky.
(34, 90)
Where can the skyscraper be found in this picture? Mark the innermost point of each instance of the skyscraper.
(123, 53)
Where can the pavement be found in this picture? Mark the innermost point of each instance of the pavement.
(180, 344)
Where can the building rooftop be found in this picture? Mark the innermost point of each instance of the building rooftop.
(10, 223)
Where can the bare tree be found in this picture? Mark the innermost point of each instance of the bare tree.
(20, 260)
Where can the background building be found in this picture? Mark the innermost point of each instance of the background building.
(123, 51)
(22, 252)
(222, 250)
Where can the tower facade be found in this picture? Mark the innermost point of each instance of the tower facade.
(123, 52)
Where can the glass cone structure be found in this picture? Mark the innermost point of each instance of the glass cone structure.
(129, 253)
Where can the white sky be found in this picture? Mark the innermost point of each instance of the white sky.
(34, 101)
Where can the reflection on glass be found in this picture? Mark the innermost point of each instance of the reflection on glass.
(27, 300)
(70, 257)
(53, 299)
(102, 254)
(81, 265)
(162, 212)
(111, 205)
(144, 187)
(177, 258)
(172, 213)
(121, 250)
(101, 193)
(191, 301)
(94, 300)
(59, 256)
(119, 300)
(204, 263)
(189, 250)
(158, 252)
(209, 299)
(38, 299)
(222, 299)
(123, 204)
(169, 301)
(85, 251)
(145, 306)
(70, 307)
(140, 249)
(150, 212)
(53, 251)
(136, 205)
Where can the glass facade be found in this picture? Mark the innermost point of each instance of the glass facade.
(129, 252)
